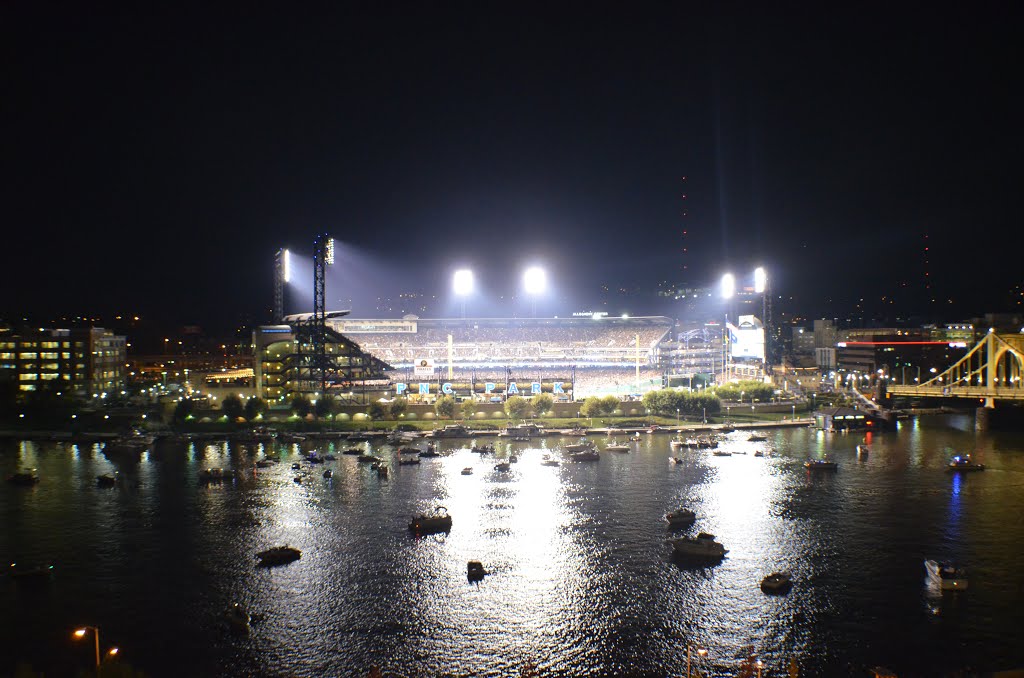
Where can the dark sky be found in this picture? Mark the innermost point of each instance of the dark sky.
(155, 157)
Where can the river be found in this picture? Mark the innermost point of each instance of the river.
(582, 579)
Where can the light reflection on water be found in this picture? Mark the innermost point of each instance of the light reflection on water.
(582, 580)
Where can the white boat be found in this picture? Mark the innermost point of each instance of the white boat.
(962, 462)
(820, 465)
(677, 444)
(581, 446)
(616, 447)
(548, 461)
(863, 451)
(703, 547)
(946, 576)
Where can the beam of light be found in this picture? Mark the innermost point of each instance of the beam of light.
(760, 280)
(535, 280)
(286, 266)
(728, 285)
(462, 282)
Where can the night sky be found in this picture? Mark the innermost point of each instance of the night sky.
(156, 157)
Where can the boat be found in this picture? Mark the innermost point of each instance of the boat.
(313, 458)
(29, 571)
(330, 457)
(296, 466)
(106, 480)
(503, 466)
(368, 458)
(408, 450)
(24, 478)
(946, 576)
(431, 451)
(513, 458)
(862, 451)
(522, 432)
(297, 480)
(677, 443)
(820, 465)
(777, 582)
(380, 467)
(291, 438)
(237, 618)
(676, 460)
(264, 463)
(440, 521)
(549, 461)
(962, 462)
(616, 447)
(468, 471)
(279, 555)
(214, 475)
(703, 547)
(328, 473)
(635, 438)
(451, 431)
(354, 451)
(358, 438)
(726, 429)
(483, 449)
(755, 438)
(722, 453)
(408, 461)
(759, 453)
(475, 570)
(128, 446)
(586, 455)
(681, 517)
(581, 446)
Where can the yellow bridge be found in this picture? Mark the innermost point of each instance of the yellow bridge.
(990, 371)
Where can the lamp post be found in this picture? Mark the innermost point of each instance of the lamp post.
(700, 653)
(794, 412)
(677, 417)
(80, 633)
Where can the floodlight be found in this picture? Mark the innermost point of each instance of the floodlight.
(462, 282)
(329, 251)
(535, 280)
(728, 285)
(286, 266)
(760, 280)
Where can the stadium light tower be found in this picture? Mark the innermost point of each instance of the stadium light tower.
(761, 287)
(462, 285)
(728, 285)
(535, 283)
(282, 276)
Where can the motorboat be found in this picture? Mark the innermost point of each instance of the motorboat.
(676, 460)
(297, 480)
(863, 451)
(265, 463)
(677, 443)
(513, 458)
(328, 473)
(759, 453)
(381, 469)
(635, 438)
(408, 450)
(722, 453)
(314, 458)
(296, 466)
(330, 457)
(129, 445)
(106, 480)
(279, 555)
(19, 571)
(616, 447)
(483, 449)
(756, 438)
(291, 438)
(408, 461)
(777, 582)
(475, 570)
(238, 618)
(440, 521)
(962, 462)
(468, 471)
(581, 446)
(503, 466)
(354, 451)
(431, 451)
(821, 465)
(358, 438)
(214, 475)
(726, 429)
(681, 517)
(946, 576)
(586, 455)
(24, 478)
(547, 460)
(368, 458)
(703, 547)
(451, 431)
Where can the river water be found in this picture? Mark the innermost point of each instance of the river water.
(582, 579)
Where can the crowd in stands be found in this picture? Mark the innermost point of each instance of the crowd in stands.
(587, 380)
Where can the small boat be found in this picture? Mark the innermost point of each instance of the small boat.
(29, 571)
(237, 618)
(106, 480)
(431, 451)
(264, 463)
(328, 473)
(475, 570)
(214, 475)
(358, 438)
(755, 438)
(502, 466)
(548, 461)
(408, 461)
(330, 457)
(279, 555)
(468, 471)
(759, 453)
(440, 521)
(520, 439)
(381, 469)
(676, 460)
(513, 458)
(946, 576)
(587, 455)
(354, 451)
(296, 466)
(703, 547)
(863, 451)
(368, 458)
(483, 449)
(635, 438)
(677, 443)
(313, 458)
(24, 478)
(581, 446)
(408, 450)
(777, 582)
(722, 453)
(962, 462)
(681, 518)
(820, 465)
(615, 447)
(726, 429)
(297, 480)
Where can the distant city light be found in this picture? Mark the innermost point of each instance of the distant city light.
(462, 282)
(535, 280)
(760, 280)
(728, 285)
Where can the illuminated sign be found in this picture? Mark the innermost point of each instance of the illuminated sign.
(424, 367)
(486, 388)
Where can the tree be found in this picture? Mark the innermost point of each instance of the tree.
(445, 407)
(467, 408)
(232, 406)
(377, 410)
(399, 406)
(609, 404)
(542, 403)
(183, 410)
(325, 405)
(518, 407)
(301, 406)
(592, 407)
(254, 407)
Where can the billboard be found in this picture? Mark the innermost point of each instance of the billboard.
(746, 339)
(423, 367)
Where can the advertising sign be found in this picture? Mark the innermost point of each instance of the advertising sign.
(423, 367)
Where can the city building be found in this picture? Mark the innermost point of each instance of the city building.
(83, 362)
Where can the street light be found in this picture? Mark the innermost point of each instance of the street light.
(701, 652)
(80, 633)
(677, 417)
